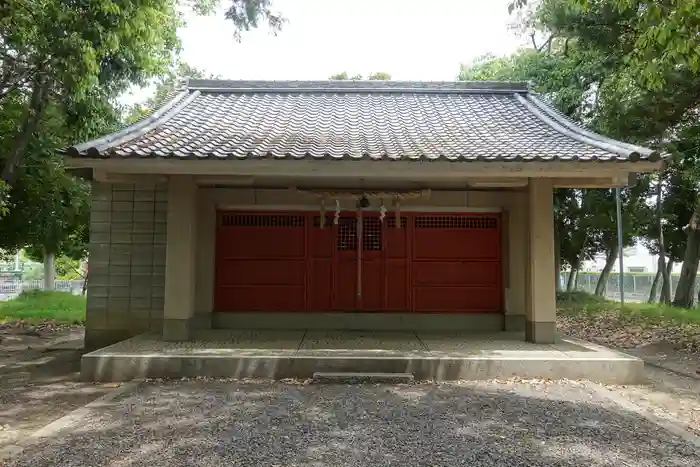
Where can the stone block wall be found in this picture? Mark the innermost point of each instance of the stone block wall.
(128, 229)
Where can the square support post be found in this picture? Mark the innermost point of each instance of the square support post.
(180, 258)
(540, 325)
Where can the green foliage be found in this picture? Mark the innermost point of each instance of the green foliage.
(79, 56)
(46, 207)
(628, 69)
(62, 66)
(247, 15)
(570, 78)
(379, 75)
(68, 268)
(651, 40)
(582, 303)
(663, 37)
(166, 86)
(32, 271)
(38, 305)
(4, 191)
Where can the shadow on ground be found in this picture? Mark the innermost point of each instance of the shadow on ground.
(216, 423)
(38, 387)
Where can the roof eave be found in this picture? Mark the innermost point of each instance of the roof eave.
(631, 151)
(96, 147)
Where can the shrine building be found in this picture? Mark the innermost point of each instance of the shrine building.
(355, 205)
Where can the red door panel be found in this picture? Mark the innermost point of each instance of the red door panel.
(456, 263)
(261, 298)
(456, 299)
(456, 273)
(287, 261)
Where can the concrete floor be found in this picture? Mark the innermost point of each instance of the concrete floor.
(299, 354)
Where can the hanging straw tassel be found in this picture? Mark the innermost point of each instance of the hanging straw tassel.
(323, 213)
(336, 217)
(397, 213)
(382, 212)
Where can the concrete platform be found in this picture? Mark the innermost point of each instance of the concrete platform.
(275, 354)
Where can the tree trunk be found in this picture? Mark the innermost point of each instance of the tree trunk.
(85, 282)
(573, 278)
(605, 273)
(570, 280)
(576, 266)
(666, 285)
(557, 257)
(49, 271)
(20, 141)
(655, 283)
(684, 296)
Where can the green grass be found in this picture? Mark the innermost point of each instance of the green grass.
(585, 303)
(37, 305)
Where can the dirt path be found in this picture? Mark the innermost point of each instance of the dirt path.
(672, 359)
(668, 395)
(39, 381)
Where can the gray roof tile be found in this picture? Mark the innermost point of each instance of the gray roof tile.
(359, 119)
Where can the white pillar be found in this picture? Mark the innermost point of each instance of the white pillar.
(540, 326)
(180, 258)
(517, 264)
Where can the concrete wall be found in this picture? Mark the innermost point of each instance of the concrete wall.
(127, 261)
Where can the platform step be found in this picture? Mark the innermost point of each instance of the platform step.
(358, 378)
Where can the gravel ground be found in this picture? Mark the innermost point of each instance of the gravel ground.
(229, 423)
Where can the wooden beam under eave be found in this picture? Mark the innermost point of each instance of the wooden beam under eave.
(438, 169)
(112, 177)
(513, 182)
(597, 182)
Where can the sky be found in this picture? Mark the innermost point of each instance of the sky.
(410, 39)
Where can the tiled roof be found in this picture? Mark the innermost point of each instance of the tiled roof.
(460, 121)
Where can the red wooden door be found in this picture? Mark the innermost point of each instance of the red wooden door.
(333, 262)
(289, 262)
(361, 258)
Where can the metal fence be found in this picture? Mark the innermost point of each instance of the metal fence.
(635, 286)
(11, 289)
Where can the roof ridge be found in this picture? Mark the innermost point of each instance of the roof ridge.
(376, 86)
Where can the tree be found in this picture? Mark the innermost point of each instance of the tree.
(567, 78)
(62, 65)
(246, 14)
(602, 226)
(165, 85)
(63, 53)
(48, 209)
(379, 75)
(648, 93)
(660, 37)
(70, 53)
